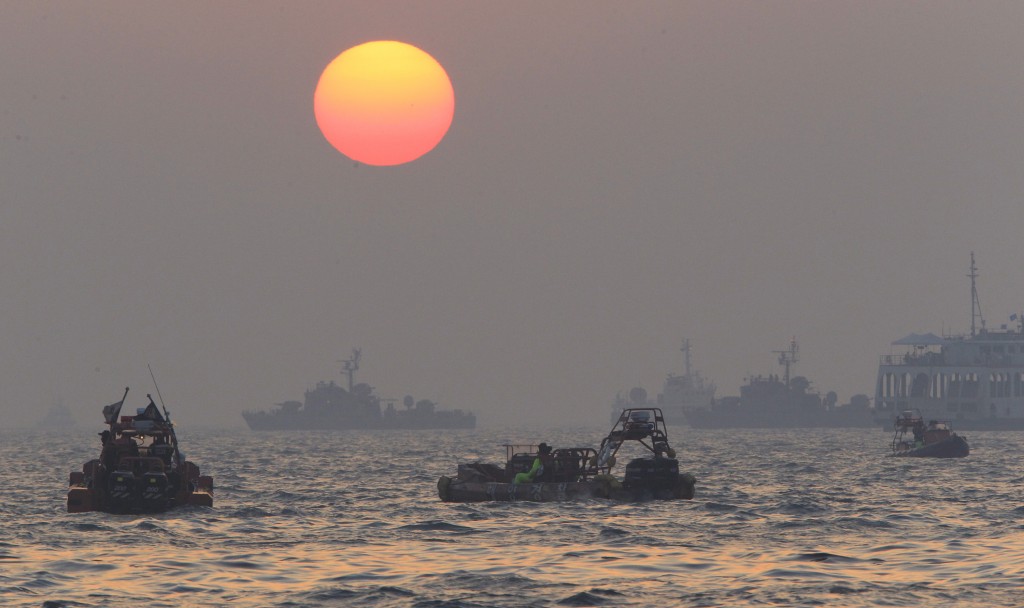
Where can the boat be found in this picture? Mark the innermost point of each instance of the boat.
(141, 468)
(782, 402)
(58, 416)
(974, 380)
(579, 473)
(934, 440)
(329, 406)
(679, 393)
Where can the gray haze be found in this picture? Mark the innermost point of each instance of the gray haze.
(618, 176)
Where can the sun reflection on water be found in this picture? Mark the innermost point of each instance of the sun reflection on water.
(779, 517)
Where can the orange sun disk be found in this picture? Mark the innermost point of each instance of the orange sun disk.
(384, 103)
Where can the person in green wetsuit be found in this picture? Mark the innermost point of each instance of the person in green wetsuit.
(543, 450)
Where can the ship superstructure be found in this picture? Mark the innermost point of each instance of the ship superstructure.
(974, 380)
(679, 393)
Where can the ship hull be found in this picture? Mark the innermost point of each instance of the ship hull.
(951, 447)
(301, 423)
(457, 490)
(741, 418)
(83, 500)
(96, 489)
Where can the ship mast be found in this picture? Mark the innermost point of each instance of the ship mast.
(975, 302)
(788, 358)
(349, 366)
(686, 355)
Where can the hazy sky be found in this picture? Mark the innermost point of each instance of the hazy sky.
(618, 176)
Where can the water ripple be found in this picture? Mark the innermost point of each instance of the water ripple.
(780, 518)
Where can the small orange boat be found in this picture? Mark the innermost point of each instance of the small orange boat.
(140, 468)
(934, 440)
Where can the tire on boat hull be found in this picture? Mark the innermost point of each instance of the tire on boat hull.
(442, 488)
(687, 486)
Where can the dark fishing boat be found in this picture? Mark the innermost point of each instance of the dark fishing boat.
(140, 468)
(536, 473)
(934, 440)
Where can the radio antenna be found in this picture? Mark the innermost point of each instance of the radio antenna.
(157, 387)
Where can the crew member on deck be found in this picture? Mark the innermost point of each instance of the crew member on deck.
(919, 433)
(108, 456)
(543, 452)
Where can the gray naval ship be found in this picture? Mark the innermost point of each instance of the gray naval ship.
(679, 393)
(974, 381)
(329, 406)
(782, 402)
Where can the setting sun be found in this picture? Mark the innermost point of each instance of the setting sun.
(384, 103)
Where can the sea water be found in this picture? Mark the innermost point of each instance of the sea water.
(781, 517)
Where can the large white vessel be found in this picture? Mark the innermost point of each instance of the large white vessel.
(976, 380)
(678, 395)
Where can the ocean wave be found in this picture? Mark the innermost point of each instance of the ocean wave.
(780, 517)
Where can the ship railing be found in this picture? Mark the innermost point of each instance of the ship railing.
(926, 359)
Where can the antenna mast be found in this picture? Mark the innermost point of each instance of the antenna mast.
(788, 357)
(349, 366)
(975, 302)
(686, 355)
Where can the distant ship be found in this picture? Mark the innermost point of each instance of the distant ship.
(59, 416)
(329, 406)
(974, 381)
(786, 402)
(678, 394)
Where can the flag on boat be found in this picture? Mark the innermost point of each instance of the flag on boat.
(151, 412)
(111, 412)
